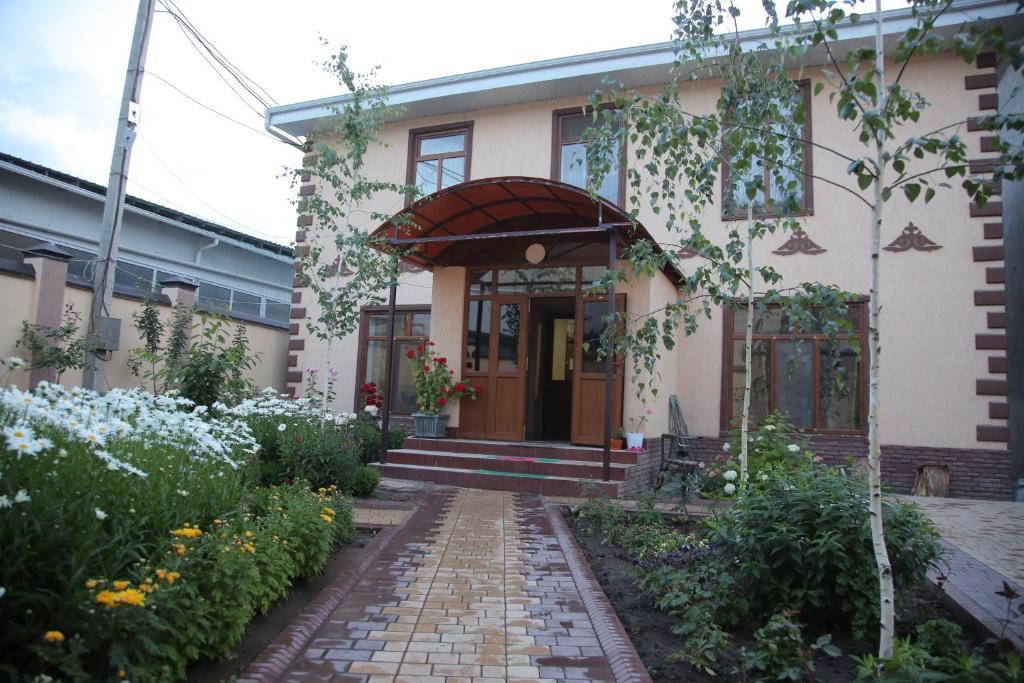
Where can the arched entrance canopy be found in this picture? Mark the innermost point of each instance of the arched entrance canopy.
(494, 220)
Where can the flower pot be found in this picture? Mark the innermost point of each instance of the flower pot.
(617, 444)
(634, 440)
(430, 426)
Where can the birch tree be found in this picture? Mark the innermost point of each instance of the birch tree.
(342, 264)
(878, 107)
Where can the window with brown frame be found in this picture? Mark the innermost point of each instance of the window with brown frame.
(412, 327)
(734, 198)
(569, 155)
(798, 372)
(439, 156)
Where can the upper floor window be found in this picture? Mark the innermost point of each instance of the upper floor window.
(439, 156)
(569, 159)
(788, 180)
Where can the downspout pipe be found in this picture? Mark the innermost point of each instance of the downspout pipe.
(201, 250)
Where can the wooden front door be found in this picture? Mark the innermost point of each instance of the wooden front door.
(589, 377)
(496, 367)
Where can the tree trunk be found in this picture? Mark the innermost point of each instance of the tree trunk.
(748, 347)
(886, 594)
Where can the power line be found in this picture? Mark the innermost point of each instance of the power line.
(211, 109)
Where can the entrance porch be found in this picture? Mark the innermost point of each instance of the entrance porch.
(515, 310)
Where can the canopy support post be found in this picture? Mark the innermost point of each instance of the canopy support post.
(385, 419)
(609, 365)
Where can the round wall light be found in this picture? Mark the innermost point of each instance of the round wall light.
(535, 253)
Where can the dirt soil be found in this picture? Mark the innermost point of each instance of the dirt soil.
(650, 629)
(265, 628)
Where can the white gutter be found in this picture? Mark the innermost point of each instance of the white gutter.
(202, 250)
(141, 212)
(637, 66)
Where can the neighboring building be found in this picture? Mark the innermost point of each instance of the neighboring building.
(245, 277)
(495, 149)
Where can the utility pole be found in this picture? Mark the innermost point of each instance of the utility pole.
(113, 208)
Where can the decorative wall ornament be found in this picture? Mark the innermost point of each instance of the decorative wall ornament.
(912, 238)
(799, 243)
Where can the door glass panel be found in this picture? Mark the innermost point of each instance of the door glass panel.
(453, 171)
(761, 373)
(444, 144)
(508, 337)
(536, 280)
(404, 389)
(480, 282)
(794, 376)
(478, 336)
(840, 380)
(593, 326)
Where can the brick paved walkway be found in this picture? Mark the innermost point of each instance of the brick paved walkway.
(475, 587)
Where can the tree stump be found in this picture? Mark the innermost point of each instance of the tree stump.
(931, 480)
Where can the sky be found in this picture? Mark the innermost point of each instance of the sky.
(62, 70)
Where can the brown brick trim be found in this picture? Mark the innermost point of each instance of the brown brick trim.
(979, 81)
(986, 60)
(300, 235)
(997, 365)
(990, 143)
(983, 165)
(306, 177)
(988, 101)
(295, 377)
(297, 313)
(998, 411)
(996, 320)
(989, 297)
(993, 231)
(306, 220)
(990, 209)
(297, 297)
(307, 190)
(309, 160)
(988, 253)
(296, 282)
(995, 276)
(991, 387)
(296, 344)
(993, 434)
(293, 360)
(990, 342)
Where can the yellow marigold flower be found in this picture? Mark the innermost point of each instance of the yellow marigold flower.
(131, 597)
(122, 674)
(91, 583)
(172, 577)
(187, 532)
(147, 587)
(326, 518)
(332, 487)
(227, 549)
(248, 534)
(54, 637)
(161, 574)
(179, 548)
(328, 511)
(121, 585)
(106, 598)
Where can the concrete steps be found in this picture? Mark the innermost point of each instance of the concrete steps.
(511, 464)
(496, 480)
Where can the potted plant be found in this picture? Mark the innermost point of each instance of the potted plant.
(436, 387)
(618, 439)
(635, 435)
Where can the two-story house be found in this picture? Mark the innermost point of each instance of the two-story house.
(494, 153)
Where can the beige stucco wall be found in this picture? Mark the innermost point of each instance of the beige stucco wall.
(17, 293)
(929, 319)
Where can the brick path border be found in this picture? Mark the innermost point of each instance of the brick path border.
(622, 658)
(271, 664)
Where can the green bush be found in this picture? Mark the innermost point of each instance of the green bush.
(363, 482)
(799, 539)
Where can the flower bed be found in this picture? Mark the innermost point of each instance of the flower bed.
(137, 537)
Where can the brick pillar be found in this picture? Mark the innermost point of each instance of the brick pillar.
(50, 263)
(180, 291)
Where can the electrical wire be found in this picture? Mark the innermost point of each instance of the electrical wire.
(210, 109)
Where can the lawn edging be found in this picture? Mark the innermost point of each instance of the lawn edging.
(622, 657)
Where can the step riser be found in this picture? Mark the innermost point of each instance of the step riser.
(492, 482)
(496, 448)
(553, 469)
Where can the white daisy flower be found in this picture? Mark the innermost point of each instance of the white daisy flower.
(730, 475)
(730, 489)
(100, 514)
(22, 496)
(793, 448)
(281, 427)
(5, 502)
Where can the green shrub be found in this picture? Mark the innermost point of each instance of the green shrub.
(775, 443)
(911, 662)
(799, 539)
(940, 637)
(363, 482)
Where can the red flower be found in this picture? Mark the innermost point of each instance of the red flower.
(451, 372)
(460, 387)
(419, 348)
(431, 343)
(426, 368)
(410, 354)
(441, 401)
